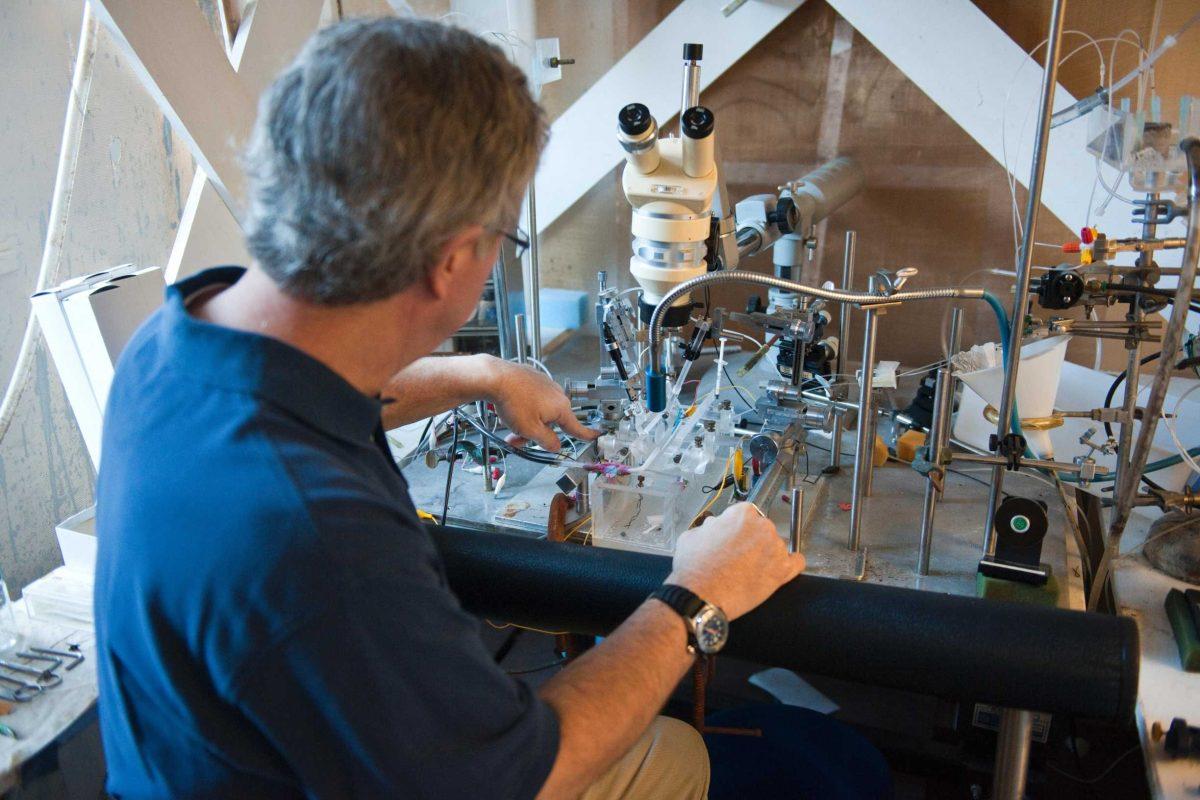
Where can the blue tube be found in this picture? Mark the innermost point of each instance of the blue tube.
(656, 390)
(1002, 321)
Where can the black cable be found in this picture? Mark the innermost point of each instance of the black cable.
(507, 645)
(450, 471)
(520, 452)
(733, 386)
(551, 665)
(424, 433)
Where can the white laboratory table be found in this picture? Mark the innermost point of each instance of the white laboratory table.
(45, 718)
(1165, 691)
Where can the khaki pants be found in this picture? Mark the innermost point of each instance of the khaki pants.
(668, 762)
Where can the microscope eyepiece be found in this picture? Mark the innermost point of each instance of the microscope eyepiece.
(697, 122)
(634, 119)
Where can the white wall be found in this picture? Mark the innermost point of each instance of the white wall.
(126, 201)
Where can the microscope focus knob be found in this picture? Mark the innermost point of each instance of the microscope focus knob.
(785, 216)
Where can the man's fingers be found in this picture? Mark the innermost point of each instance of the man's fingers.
(545, 437)
(574, 427)
(797, 563)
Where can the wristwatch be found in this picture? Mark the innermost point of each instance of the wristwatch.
(708, 627)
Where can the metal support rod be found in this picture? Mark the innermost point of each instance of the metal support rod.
(835, 441)
(500, 287)
(1032, 463)
(1024, 268)
(797, 520)
(864, 452)
(533, 277)
(942, 400)
(485, 447)
(869, 489)
(522, 345)
(1126, 489)
(1133, 363)
(844, 316)
(956, 326)
(1012, 754)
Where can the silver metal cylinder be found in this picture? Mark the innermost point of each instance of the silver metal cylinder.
(1032, 206)
(938, 433)
(1012, 754)
(500, 287)
(583, 496)
(835, 441)
(864, 449)
(956, 326)
(522, 345)
(691, 87)
(485, 447)
(797, 520)
(844, 317)
(533, 277)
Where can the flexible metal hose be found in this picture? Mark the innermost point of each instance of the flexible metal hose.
(835, 295)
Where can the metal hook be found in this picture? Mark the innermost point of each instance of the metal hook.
(32, 688)
(75, 656)
(45, 677)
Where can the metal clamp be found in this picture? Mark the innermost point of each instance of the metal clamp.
(1157, 211)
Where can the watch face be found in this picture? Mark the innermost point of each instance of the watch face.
(712, 629)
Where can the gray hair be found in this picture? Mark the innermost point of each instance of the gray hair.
(384, 139)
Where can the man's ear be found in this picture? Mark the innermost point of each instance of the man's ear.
(457, 259)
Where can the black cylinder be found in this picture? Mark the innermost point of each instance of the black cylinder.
(634, 119)
(697, 122)
(960, 648)
(693, 51)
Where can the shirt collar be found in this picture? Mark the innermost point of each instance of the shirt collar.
(262, 366)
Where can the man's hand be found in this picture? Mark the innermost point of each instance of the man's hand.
(529, 403)
(735, 560)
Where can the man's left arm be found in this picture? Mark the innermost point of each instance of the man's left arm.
(527, 401)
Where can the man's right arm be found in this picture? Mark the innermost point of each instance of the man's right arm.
(606, 698)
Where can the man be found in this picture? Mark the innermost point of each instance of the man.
(272, 618)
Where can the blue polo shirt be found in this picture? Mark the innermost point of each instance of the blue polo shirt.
(272, 618)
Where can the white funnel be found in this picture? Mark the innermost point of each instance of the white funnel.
(1037, 386)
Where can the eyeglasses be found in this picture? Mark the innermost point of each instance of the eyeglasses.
(520, 241)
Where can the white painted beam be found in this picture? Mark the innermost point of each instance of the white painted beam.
(184, 67)
(583, 144)
(211, 102)
(208, 234)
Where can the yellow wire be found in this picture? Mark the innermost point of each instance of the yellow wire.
(507, 625)
(717, 494)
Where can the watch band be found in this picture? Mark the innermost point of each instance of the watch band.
(684, 602)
